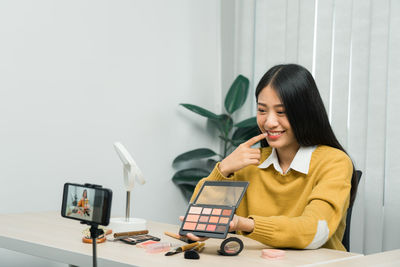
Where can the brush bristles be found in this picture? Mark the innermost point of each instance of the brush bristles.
(192, 255)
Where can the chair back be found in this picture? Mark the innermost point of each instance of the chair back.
(346, 236)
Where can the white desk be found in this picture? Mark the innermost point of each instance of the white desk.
(50, 236)
(383, 259)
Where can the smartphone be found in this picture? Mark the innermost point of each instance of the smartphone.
(87, 203)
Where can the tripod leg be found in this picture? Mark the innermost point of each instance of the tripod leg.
(94, 242)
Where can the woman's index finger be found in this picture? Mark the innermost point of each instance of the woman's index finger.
(252, 141)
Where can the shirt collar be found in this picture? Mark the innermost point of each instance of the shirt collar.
(300, 163)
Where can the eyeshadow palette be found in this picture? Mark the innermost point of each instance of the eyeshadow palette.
(213, 209)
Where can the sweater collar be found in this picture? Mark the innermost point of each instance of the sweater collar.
(300, 162)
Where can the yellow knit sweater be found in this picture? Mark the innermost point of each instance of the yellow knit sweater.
(289, 209)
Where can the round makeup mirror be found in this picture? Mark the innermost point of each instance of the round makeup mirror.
(231, 246)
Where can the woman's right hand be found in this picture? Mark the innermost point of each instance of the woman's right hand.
(242, 156)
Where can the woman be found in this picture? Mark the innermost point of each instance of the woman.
(300, 178)
(84, 203)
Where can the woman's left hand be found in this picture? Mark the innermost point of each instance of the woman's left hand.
(192, 236)
(239, 223)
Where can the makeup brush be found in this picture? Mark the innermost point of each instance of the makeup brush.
(181, 249)
(179, 237)
(199, 247)
(193, 254)
(126, 234)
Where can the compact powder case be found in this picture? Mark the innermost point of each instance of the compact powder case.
(213, 209)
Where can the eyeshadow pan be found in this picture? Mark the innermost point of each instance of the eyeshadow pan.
(189, 226)
(224, 220)
(206, 211)
(201, 227)
(216, 211)
(192, 218)
(220, 228)
(195, 210)
(213, 219)
(204, 218)
(211, 227)
(226, 212)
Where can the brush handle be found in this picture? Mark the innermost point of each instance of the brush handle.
(179, 237)
(173, 235)
(189, 246)
(199, 247)
(143, 232)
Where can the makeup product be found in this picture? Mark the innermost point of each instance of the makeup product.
(231, 246)
(213, 209)
(133, 240)
(193, 254)
(272, 254)
(158, 247)
(143, 232)
(199, 247)
(182, 248)
(146, 243)
(176, 236)
(100, 239)
(90, 241)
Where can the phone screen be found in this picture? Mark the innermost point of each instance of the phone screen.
(86, 203)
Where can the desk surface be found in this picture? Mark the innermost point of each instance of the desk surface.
(50, 236)
(383, 259)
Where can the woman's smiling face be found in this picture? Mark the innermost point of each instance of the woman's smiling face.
(272, 119)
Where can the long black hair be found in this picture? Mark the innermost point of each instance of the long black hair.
(304, 109)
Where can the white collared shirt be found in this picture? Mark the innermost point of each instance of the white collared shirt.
(300, 163)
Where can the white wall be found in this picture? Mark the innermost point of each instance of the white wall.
(76, 76)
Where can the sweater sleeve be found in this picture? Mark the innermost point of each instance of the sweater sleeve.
(326, 206)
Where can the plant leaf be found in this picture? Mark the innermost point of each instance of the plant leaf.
(201, 111)
(226, 140)
(250, 122)
(199, 153)
(187, 191)
(226, 123)
(223, 138)
(243, 134)
(189, 176)
(187, 180)
(211, 164)
(237, 94)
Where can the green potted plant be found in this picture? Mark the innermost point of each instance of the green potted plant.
(231, 135)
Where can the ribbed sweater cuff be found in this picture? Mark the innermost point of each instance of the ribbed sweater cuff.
(217, 175)
(264, 229)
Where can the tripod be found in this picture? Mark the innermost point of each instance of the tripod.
(94, 233)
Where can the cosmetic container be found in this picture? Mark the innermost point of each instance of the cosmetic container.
(158, 247)
(272, 254)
